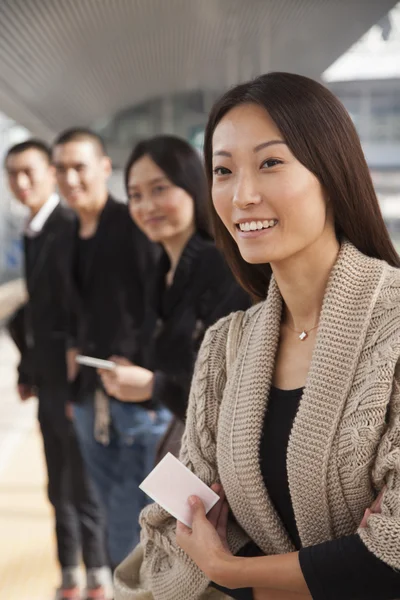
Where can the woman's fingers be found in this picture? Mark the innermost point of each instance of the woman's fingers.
(365, 518)
(222, 525)
(377, 504)
(109, 380)
(374, 509)
(223, 519)
(213, 514)
(121, 361)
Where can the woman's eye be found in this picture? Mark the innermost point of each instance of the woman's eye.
(159, 189)
(221, 171)
(134, 197)
(271, 162)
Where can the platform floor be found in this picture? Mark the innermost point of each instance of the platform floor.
(28, 567)
(28, 570)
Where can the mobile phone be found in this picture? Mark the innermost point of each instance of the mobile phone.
(96, 363)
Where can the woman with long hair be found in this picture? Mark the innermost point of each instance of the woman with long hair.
(192, 287)
(300, 435)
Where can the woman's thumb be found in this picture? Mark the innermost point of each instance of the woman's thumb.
(196, 506)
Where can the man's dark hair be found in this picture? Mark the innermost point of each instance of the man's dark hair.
(32, 144)
(80, 134)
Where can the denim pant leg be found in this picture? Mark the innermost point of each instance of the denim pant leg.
(100, 460)
(89, 510)
(138, 436)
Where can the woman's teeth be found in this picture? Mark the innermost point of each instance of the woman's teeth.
(256, 225)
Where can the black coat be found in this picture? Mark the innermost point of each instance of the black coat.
(110, 272)
(203, 291)
(40, 328)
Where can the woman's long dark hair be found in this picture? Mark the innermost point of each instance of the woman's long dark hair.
(183, 166)
(321, 135)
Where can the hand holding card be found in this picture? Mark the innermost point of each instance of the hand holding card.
(171, 483)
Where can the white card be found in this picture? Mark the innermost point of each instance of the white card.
(171, 483)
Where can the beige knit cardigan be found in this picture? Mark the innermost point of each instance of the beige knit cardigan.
(345, 441)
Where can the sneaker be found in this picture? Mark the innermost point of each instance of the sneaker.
(72, 593)
(97, 593)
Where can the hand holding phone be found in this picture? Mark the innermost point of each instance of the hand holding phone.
(96, 363)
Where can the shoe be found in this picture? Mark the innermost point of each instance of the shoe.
(97, 593)
(72, 593)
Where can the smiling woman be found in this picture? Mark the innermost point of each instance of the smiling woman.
(192, 286)
(256, 182)
(300, 435)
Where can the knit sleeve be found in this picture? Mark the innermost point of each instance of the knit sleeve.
(382, 533)
(169, 572)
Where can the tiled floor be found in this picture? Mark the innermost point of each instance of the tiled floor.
(27, 565)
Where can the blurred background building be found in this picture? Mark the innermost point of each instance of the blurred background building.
(134, 68)
(367, 81)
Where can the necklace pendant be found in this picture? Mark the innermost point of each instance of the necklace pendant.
(303, 336)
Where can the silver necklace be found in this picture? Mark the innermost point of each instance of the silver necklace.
(303, 335)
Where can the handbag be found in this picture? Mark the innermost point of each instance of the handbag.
(130, 581)
(171, 440)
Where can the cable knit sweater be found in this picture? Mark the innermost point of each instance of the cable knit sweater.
(345, 442)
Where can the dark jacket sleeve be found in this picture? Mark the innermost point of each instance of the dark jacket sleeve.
(135, 262)
(223, 295)
(217, 296)
(63, 269)
(17, 332)
(344, 568)
(171, 392)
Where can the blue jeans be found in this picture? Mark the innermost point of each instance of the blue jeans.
(119, 468)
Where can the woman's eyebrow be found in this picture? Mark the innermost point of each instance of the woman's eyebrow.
(266, 144)
(255, 150)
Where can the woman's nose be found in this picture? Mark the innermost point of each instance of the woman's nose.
(246, 192)
(147, 204)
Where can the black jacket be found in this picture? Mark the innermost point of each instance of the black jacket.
(203, 291)
(110, 271)
(40, 327)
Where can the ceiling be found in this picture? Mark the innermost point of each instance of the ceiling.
(75, 62)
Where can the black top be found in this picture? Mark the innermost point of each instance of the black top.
(83, 257)
(339, 569)
(282, 409)
(110, 273)
(203, 291)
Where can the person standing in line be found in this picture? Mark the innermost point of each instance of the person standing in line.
(112, 262)
(300, 435)
(192, 287)
(40, 331)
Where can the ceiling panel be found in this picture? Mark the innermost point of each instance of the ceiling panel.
(68, 62)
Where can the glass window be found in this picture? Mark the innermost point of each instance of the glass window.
(184, 114)
(381, 113)
(138, 122)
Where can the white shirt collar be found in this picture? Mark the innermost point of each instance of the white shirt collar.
(35, 226)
